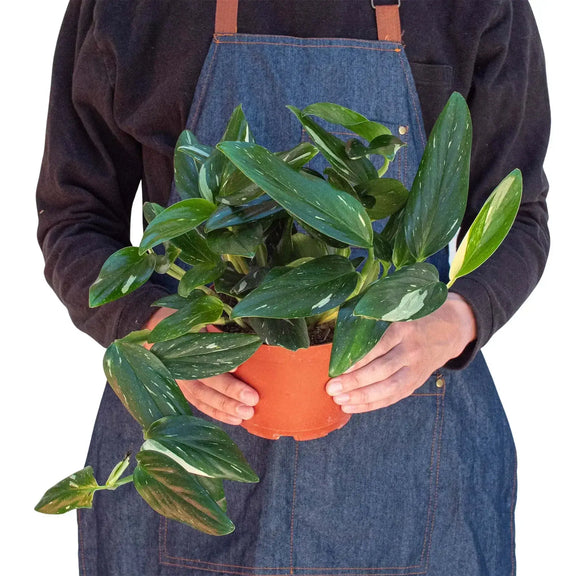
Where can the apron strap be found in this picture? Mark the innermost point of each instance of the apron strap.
(226, 17)
(387, 19)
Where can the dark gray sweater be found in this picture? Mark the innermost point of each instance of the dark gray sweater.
(123, 81)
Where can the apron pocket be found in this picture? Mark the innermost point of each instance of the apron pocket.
(365, 496)
(358, 502)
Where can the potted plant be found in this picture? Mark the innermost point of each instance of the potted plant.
(265, 252)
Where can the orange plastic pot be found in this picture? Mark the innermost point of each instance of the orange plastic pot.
(292, 388)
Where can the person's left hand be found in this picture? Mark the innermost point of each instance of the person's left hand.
(406, 356)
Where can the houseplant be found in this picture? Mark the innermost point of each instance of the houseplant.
(265, 244)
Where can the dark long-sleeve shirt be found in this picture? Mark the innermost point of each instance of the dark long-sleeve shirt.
(124, 76)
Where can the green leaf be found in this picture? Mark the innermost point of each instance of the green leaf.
(489, 228)
(200, 447)
(407, 294)
(188, 144)
(205, 354)
(151, 210)
(330, 211)
(237, 241)
(194, 249)
(309, 289)
(258, 209)
(200, 275)
(171, 491)
(354, 337)
(143, 384)
(351, 120)
(334, 150)
(170, 301)
(201, 309)
(385, 145)
(248, 282)
(175, 221)
(123, 272)
(389, 196)
(291, 334)
(437, 201)
(226, 283)
(75, 491)
(217, 169)
(186, 167)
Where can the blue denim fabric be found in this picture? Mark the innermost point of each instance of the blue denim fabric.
(426, 486)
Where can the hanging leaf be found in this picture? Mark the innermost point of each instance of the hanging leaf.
(354, 337)
(489, 228)
(330, 211)
(291, 334)
(171, 491)
(321, 284)
(200, 447)
(200, 309)
(438, 198)
(123, 272)
(407, 294)
(334, 150)
(143, 383)
(215, 488)
(389, 196)
(75, 491)
(349, 119)
(205, 354)
(176, 220)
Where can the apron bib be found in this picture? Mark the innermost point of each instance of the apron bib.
(426, 486)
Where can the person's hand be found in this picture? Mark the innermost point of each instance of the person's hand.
(406, 356)
(222, 397)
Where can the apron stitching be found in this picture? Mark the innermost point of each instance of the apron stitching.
(296, 446)
(438, 454)
(393, 50)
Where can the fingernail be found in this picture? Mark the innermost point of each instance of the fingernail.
(245, 412)
(334, 387)
(249, 397)
(342, 399)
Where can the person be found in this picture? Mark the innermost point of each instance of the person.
(423, 481)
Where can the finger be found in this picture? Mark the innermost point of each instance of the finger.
(381, 394)
(217, 414)
(232, 387)
(196, 392)
(376, 371)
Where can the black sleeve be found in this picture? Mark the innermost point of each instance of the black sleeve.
(511, 121)
(89, 176)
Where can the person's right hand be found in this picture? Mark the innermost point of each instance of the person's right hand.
(222, 397)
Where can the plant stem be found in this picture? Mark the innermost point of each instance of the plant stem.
(238, 262)
(175, 271)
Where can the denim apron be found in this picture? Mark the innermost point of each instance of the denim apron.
(426, 486)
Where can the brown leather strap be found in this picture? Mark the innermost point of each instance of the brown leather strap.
(388, 23)
(226, 17)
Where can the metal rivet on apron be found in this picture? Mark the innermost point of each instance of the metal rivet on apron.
(440, 381)
(403, 130)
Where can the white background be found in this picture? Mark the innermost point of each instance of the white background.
(51, 373)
